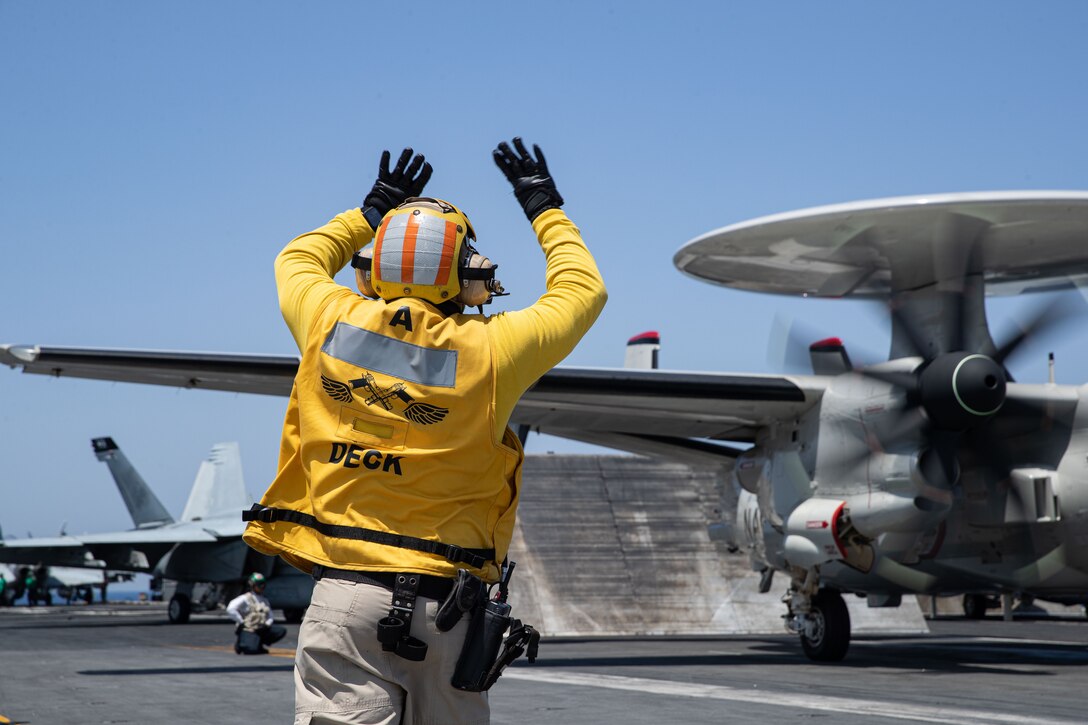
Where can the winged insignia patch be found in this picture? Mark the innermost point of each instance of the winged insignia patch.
(418, 413)
(336, 390)
(425, 413)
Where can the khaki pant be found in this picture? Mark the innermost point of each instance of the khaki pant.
(342, 675)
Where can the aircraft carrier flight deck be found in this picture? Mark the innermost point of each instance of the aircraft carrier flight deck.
(124, 663)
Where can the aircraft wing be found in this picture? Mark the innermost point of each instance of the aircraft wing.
(163, 535)
(53, 551)
(136, 550)
(664, 403)
(66, 576)
(264, 374)
(623, 408)
(68, 551)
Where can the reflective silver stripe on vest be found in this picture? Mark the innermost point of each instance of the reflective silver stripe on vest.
(372, 351)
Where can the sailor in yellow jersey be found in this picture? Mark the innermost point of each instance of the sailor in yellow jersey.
(398, 475)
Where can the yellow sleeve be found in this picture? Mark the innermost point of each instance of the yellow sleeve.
(305, 269)
(529, 342)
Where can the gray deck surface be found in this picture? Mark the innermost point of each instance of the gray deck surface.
(124, 664)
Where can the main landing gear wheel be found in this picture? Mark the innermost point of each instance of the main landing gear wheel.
(179, 609)
(826, 635)
(975, 605)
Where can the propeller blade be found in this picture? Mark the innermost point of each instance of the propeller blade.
(1041, 416)
(905, 327)
(888, 432)
(1046, 317)
(1031, 429)
(939, 464)
(787, 345)
(955, 306)
(957, 269)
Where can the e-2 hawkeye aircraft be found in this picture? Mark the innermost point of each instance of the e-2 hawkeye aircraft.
(932, 472)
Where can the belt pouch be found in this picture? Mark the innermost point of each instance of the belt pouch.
(481, 648)
(466, 592)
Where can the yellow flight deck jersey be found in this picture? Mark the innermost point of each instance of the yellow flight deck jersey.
(397, 421)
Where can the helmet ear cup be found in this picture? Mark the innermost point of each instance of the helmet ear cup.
(362, 281)
(475, 292)
(363, 261)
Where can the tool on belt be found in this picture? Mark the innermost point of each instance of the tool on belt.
(481, 662)
(394, 628)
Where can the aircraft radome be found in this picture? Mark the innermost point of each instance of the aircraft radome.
(932, 472)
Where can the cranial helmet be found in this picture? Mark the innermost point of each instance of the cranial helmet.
(423, 248)
(256, 579)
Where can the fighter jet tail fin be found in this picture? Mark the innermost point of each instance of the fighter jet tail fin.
(219, 487)
(144, 507)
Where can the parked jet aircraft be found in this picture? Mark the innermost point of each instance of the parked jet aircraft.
(69, 583)
(203, 552)
(933, 472)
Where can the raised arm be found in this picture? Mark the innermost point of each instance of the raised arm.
(530, 341)
(305, 267)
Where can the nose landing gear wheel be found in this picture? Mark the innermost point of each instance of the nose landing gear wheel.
(826, 636)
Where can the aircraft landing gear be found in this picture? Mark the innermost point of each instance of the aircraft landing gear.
(819, 617)
(179, 609)
(975, 605)
(826, 636)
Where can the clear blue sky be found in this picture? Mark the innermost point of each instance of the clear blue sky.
(154, 157)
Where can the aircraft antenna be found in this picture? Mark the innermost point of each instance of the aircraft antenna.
(1050, 366)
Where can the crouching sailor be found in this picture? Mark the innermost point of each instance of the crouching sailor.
(252, 614)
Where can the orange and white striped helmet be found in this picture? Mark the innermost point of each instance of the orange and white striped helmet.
(423, 248)
(418, 250)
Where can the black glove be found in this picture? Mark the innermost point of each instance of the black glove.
(533, 185)
(393, 187)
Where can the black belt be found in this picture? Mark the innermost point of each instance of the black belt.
(476, 558)
(432, 587)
